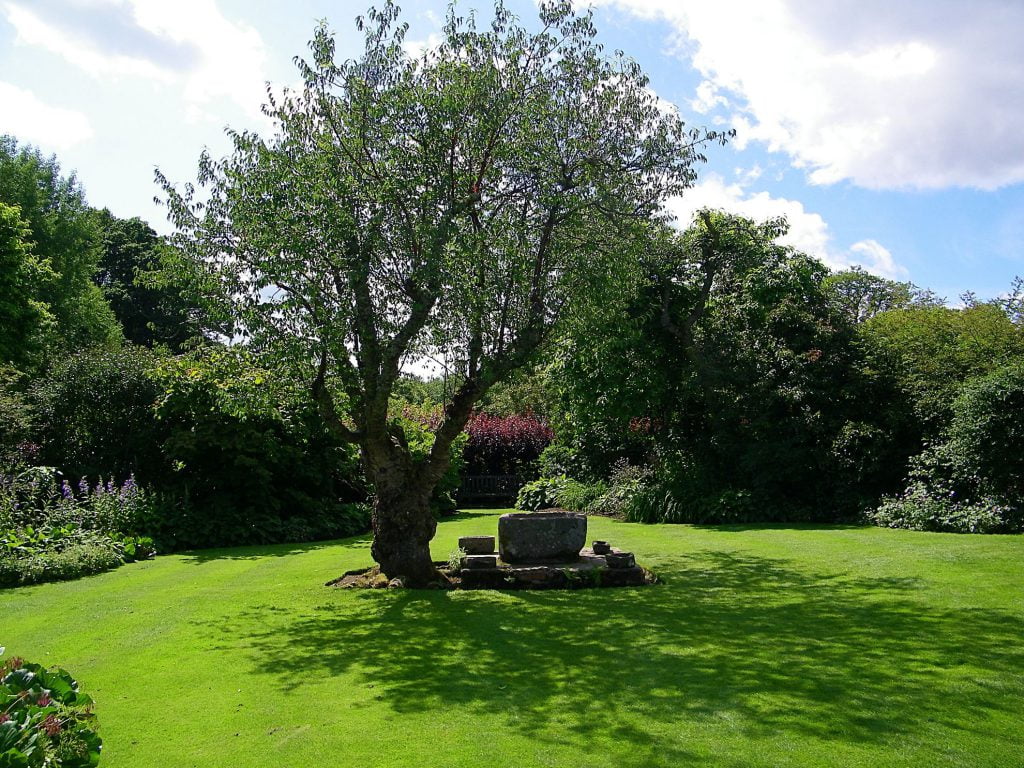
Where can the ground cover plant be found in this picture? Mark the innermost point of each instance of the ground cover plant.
(45, 720)
(767, 645)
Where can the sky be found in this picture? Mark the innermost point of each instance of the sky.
(890, 134)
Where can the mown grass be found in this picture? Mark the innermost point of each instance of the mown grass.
(766, 646)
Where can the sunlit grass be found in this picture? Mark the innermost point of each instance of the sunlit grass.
(766, 646)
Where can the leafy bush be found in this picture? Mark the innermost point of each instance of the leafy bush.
(16, 421)
(504, 445)
(577, 496)
(229, 453)
(973, 481)
(559, 459)
(45, 720)
(250, 460)
(72, 562)
(95, 415)
(985, 440)
(540, 494)
(919, 510)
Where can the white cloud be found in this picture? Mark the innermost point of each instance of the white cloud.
(875, 257)
(27, 117)
(808, 231)
(189, 43)
(416, 48)
(925, 94)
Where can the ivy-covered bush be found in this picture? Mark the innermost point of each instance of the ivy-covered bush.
(505, 445)
(45, 720)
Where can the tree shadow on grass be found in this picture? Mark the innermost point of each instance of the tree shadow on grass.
(747, 643)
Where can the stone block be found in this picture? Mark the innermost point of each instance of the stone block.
(475, 562)
(539, 536)
(477, 545)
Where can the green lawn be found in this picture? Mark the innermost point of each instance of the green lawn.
(766, 646)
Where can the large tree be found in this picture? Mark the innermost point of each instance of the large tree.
(455, 204)
(143, 295)
(25, 319)
(63, 231)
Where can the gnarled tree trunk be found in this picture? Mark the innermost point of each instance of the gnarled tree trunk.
(403, 526)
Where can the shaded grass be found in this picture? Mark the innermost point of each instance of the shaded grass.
(766, 646)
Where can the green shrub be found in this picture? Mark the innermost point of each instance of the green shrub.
(250, 460)
(94, 412)
(72, 562)
(45, 720)
(973, 481)
(577, 496)
(540, 494)
(985, 440)
(16, 421)
(556, 460)
(919, 510)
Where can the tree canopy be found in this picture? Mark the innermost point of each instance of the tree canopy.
(64, 234)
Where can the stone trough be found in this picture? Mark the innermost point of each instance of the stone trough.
(545, 550)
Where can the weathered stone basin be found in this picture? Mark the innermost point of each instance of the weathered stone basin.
(536, 536)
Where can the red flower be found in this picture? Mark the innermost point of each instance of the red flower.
(51, 725)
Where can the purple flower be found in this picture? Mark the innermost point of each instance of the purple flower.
(65, 489)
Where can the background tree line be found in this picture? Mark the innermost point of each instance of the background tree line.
(743, 381)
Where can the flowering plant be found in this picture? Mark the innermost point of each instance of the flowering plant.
(44, 719)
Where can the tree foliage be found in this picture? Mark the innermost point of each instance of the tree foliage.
(144, 295)
(932, 351)
(25, 318)
(64, 234)
(862, 295)
(733, 369)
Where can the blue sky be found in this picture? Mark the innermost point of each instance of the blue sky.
(889, 133)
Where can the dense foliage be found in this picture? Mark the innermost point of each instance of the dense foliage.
(972, 480)
(135, 273)
(65, 250)
(730, 371)
(492, 207)
(45, 720)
